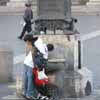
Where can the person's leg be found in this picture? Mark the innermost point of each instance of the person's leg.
(44, 91)
(31, 90)
(29, 27)
(25, 81)
(30, 82)
(23, 31)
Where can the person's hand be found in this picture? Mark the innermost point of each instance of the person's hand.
(32, 21)
(22, 23)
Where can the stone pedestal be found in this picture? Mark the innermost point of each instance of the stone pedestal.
(71, 81)
(6, 64)
(93, 2)
(64, 49)
(65, 77)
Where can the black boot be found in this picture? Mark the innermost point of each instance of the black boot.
(19, 37)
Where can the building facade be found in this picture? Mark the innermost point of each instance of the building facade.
(22, 2)
(86, 2)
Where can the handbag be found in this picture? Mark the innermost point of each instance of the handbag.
(29, 60)
(40, 77)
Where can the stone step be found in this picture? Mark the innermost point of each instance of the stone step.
(21, 3)
(85, 9)
(13, 4)
(75, 2)
(93, 3)
(14, 10)
(93, 0)
(75, 9)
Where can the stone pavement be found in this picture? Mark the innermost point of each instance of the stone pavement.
(4, 90)
(8, 92)
(10, 27)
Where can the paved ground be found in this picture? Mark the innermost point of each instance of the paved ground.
(91, 49)
(10, 28)
(4, 90)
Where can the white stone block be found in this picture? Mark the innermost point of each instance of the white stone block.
(87, 77)
(93, 3)
(93, 0)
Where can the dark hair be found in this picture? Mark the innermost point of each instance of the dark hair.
(50, 47)
(34, 39)
(28, 37)
(28, 5)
